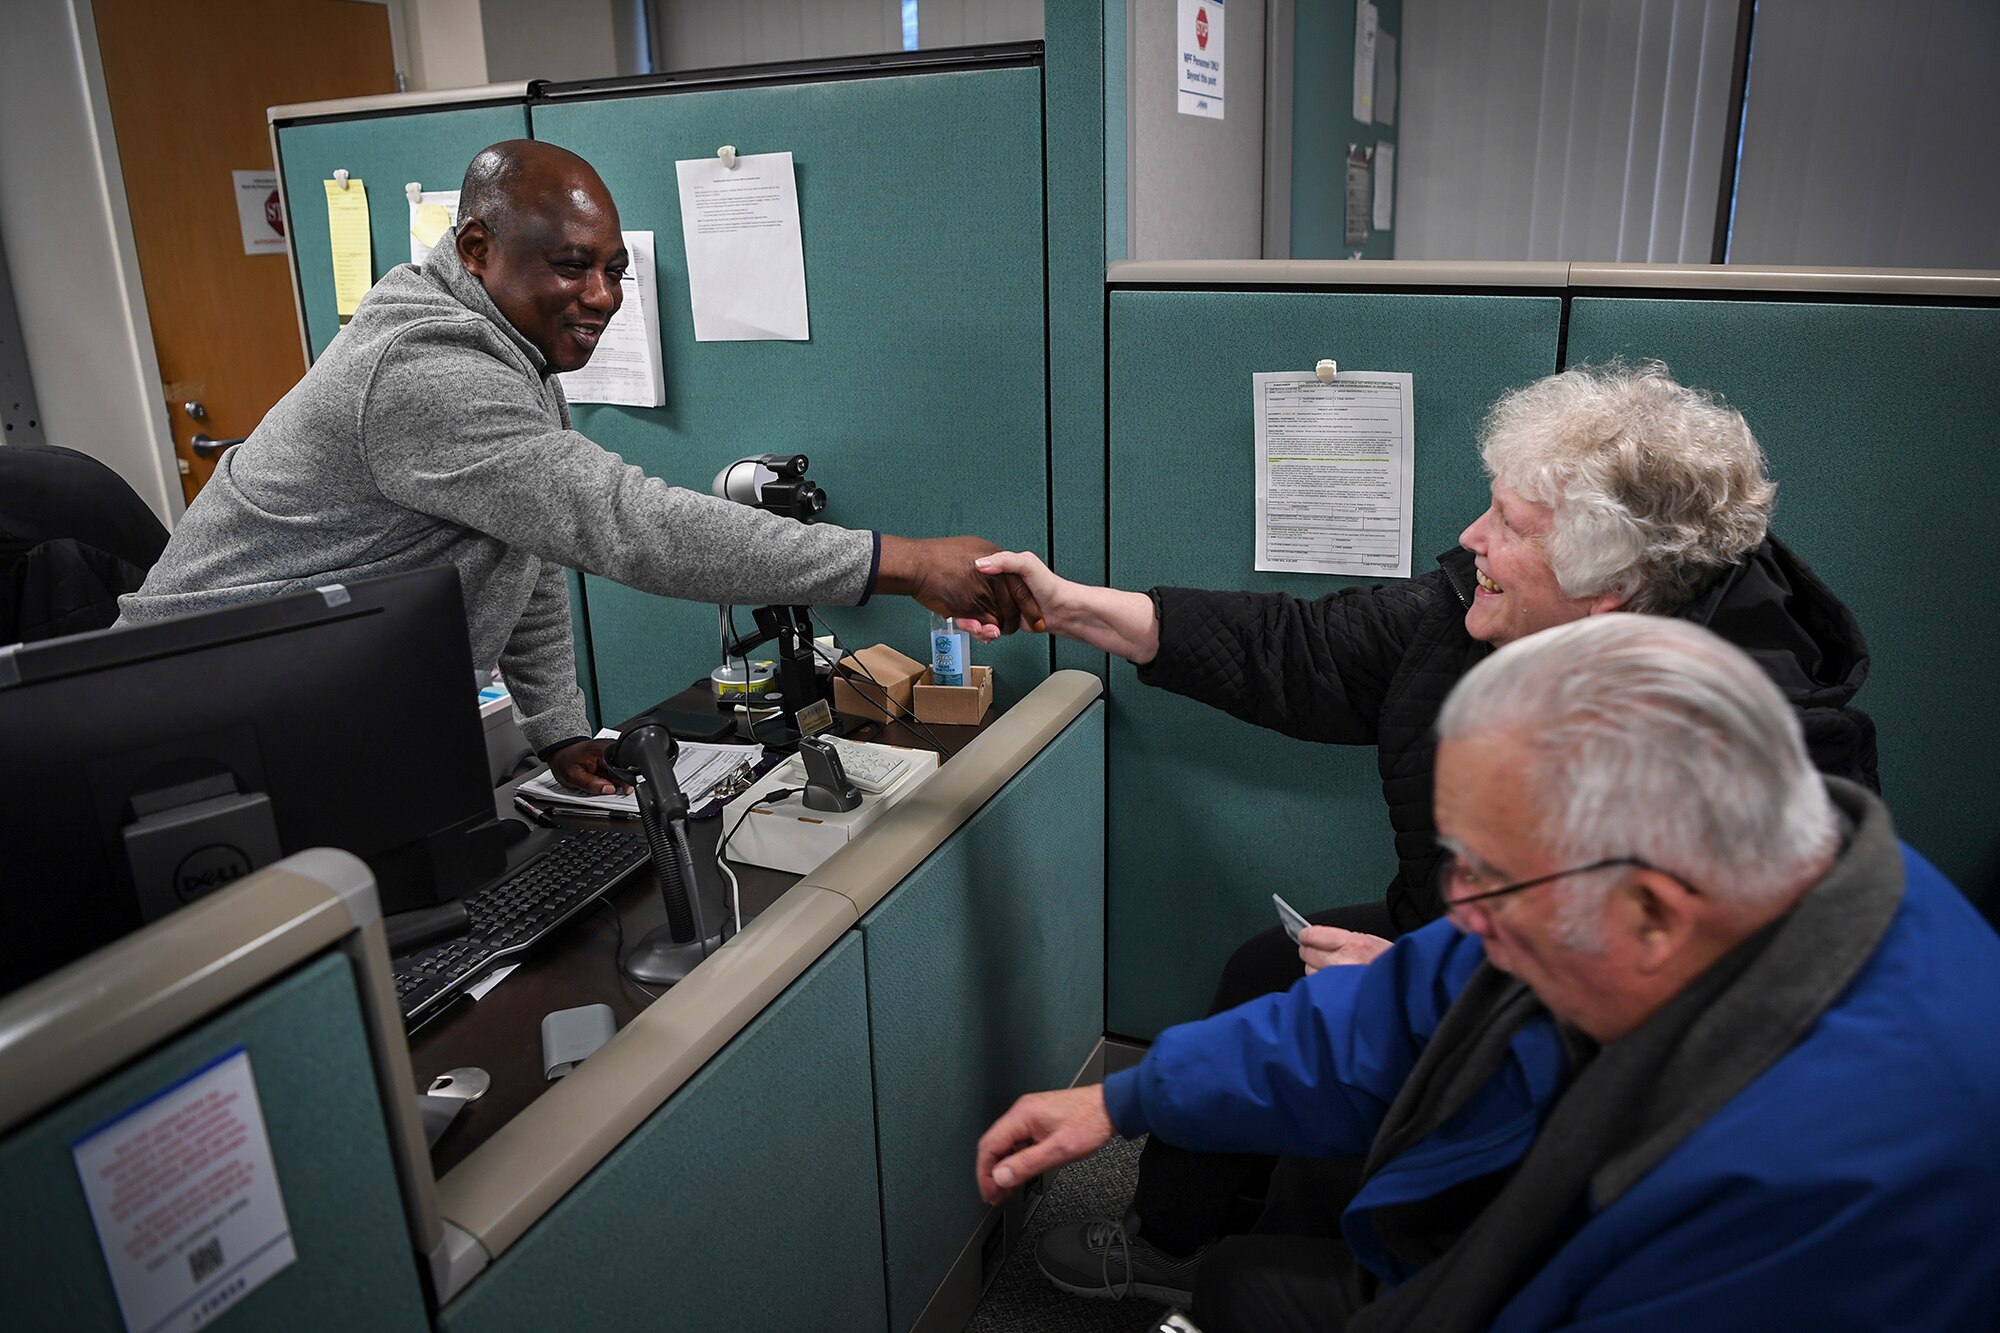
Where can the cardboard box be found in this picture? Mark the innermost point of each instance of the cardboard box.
(787, 835)
(897, 675)
(954, 705)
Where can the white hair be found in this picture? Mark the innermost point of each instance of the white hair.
(1656, 738)
(1656, 488)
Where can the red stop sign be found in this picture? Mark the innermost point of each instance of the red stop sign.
(1201, 28)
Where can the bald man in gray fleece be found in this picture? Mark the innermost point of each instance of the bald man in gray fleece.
(434, 431)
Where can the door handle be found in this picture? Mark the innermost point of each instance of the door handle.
(209, 448)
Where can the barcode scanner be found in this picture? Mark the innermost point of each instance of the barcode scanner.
(644, 757)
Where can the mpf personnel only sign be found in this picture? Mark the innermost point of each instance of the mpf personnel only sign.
(1200, 64)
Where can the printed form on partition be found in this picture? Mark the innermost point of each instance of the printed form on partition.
(1334, 469)
(746, 261)
(184, 1193)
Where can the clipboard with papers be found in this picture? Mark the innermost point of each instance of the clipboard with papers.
(700, 767)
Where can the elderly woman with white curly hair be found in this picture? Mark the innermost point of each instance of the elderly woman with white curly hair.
(1613, 488)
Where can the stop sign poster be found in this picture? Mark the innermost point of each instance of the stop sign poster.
(1201, 58)
(257, 212)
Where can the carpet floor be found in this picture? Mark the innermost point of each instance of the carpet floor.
(1021, 1300)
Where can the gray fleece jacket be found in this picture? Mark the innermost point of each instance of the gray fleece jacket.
(431, 432)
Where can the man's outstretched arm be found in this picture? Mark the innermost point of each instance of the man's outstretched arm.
(944, 575)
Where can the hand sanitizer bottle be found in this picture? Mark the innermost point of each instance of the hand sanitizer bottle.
(951, 651)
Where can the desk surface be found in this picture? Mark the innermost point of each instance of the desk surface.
(579, 965)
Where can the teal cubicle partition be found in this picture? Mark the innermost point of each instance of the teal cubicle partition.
(1084, 102)
(749, 1201)
(1869, 391)
(1324, 130)
(386, 151)
(287, 966)
(1882, 424)
(310, 1060)
(920, 396)
(985, 981)
(1206, 816)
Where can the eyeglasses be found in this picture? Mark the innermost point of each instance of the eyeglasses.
(1458, 870)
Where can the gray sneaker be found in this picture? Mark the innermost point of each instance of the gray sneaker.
(1102, 1258)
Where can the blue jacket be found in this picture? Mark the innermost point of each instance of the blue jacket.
(1855, 1184)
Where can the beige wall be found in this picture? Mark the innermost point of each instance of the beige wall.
(444, 44)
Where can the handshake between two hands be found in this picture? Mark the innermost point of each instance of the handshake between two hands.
(989, 592)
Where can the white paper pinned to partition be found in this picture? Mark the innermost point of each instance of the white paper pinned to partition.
(183, 1191)
(745, 256)
(432, 214)
(1335, 464)
(626, 368)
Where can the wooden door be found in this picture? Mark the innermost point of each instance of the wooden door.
(189, 83)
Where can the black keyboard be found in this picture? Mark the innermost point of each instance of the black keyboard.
(512, 915)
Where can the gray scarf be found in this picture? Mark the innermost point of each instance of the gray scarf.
(1641, 1095)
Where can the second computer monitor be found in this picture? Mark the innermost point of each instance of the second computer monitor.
(147, 766)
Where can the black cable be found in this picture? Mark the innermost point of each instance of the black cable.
(722, 845)
(887, 702)
(618, 950)
(846, 673)
(770, 797)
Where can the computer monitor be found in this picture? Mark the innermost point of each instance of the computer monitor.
(144, 767)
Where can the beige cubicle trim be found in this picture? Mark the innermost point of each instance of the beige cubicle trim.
(1334, 273)
(411, 101)
(516, 1176)
(866, 869)
(1706, 278)
(1713, 278)
(291, 254)
(74, 1026)
(506, 1185)
(444, 1252)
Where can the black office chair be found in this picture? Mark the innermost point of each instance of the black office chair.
(73, 537)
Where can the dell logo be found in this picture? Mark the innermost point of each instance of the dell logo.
(206, 869)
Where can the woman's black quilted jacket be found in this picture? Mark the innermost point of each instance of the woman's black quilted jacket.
(1372, 666)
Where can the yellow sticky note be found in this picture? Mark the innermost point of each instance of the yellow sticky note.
(430, 222)
(353, 256)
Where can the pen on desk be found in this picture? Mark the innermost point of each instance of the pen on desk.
(533, 811)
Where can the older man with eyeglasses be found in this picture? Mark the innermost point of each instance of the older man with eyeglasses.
(1699, 1043)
